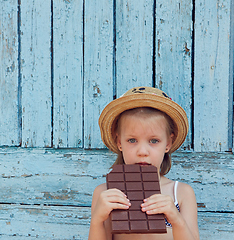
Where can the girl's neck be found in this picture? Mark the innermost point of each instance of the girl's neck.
(163, 180)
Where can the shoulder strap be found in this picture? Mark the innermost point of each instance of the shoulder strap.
(175, 192)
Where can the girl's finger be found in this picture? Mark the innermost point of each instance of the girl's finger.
(157, 198)
(154, 208)
(117, 199)
(119, 206)
(115, 191)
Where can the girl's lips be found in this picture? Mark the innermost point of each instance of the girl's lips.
(143, 163)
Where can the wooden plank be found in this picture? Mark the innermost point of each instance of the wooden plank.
(62, 222)
(210, 175)
(98, 67)
(9, 129)
(68, 73)
(231, 69)
(36, 73)
(38, 176)
(212, 78)
(68, 177)
(55, 188)
(134, 44)
(214, 225)
(174, 53)
(44, 222)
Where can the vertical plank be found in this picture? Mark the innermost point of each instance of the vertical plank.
(68, 73)
(9, 131)
(174, 52)
(36, 73)
(212, 75)
(134, 44)
(98, 67)
(231, 79)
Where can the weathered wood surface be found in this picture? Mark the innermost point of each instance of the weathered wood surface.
(98, 66)
(67, 73)
(134, 44)
(60, 222)
(173, 57)
(9, 74)
(63, 61)
(213, 75)
(46, 192)
(44, 222)
(35, 73)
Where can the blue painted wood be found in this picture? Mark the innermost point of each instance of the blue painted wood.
(35, 70)
(49, 222)
(102, 50)
(134, 44)
(98, 67)
(174, 54)
(68, 177)
(231, 82)
(47, 193)
(44, 222)
(213, 80)
(68, 74)
(9, 131)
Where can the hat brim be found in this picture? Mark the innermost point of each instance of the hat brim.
(111, 112)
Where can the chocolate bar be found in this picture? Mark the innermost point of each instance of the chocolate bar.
(137, 182)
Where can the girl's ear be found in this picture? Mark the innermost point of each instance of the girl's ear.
(169, 144)
(118, 142)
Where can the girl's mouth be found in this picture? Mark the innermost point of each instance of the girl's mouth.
(143, 163)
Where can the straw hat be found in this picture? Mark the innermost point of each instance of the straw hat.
(142, 97)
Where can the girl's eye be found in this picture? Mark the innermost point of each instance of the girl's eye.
(132, 140)
(153, 141)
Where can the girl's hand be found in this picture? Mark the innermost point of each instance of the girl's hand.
(159, 203)
(107, 201)
(104, 201)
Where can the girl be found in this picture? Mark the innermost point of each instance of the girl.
(145, 126)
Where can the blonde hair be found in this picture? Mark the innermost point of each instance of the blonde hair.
(146, 112)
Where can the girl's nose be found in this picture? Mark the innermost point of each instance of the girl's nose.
(142, 150)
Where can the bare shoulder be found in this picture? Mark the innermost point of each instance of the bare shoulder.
(100, 188)
(188, 207)
(185, 191)
(186, 199)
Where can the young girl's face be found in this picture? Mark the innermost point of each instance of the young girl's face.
(143, 140)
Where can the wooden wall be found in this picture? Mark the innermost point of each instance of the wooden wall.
(62, 61)
(47, 193)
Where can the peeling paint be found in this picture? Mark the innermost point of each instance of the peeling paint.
(97, 91)
(186, 49)
(26, 175)
(201, 205)
(159, 47)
